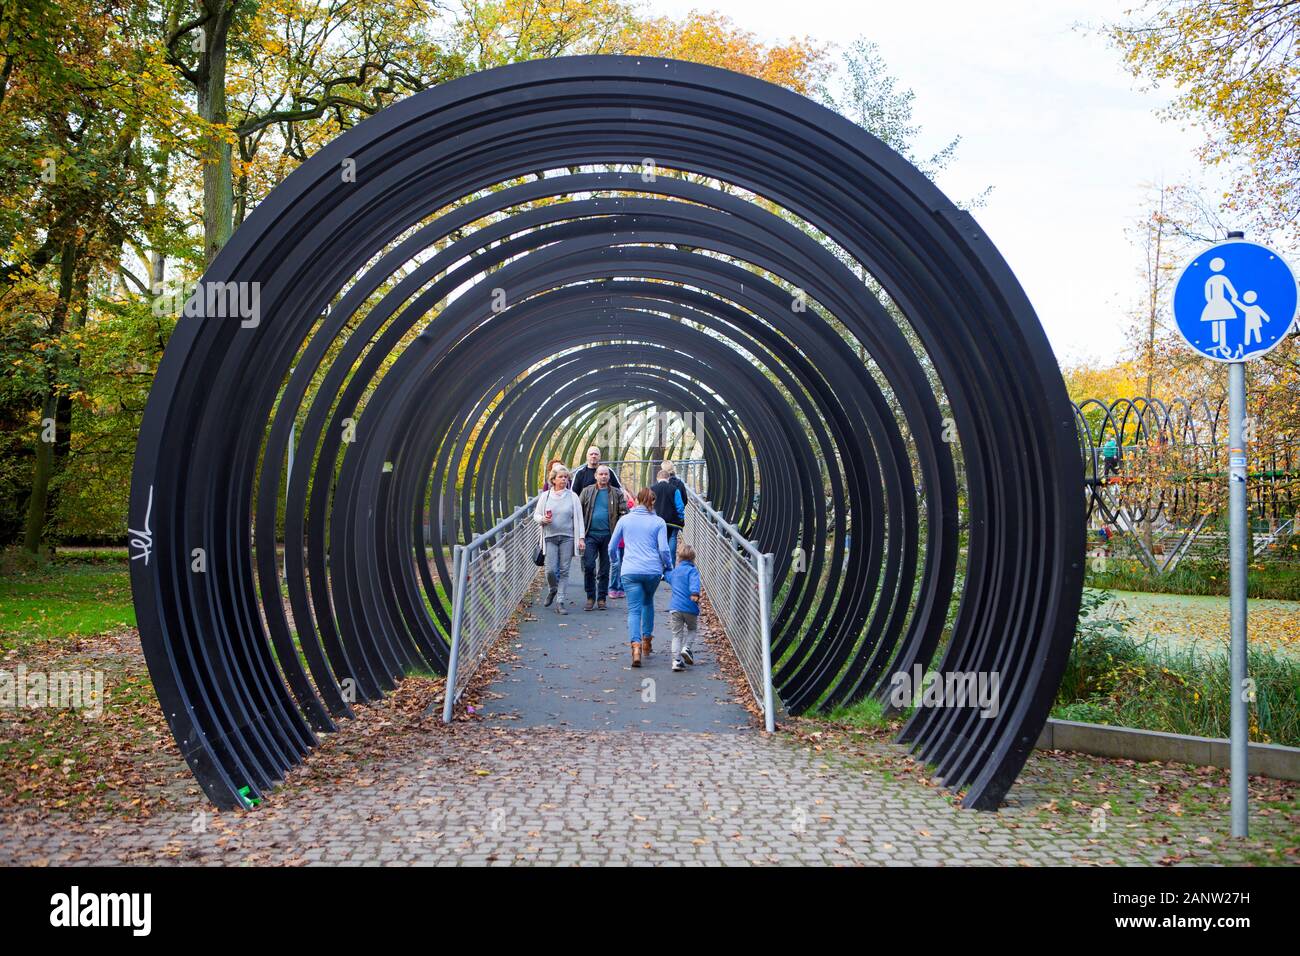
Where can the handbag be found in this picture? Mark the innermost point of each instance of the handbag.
(539, 556)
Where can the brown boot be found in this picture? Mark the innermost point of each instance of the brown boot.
(645, 644)
(590, 604)
(636, 655)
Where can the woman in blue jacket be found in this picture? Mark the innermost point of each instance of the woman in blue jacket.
(645, 558)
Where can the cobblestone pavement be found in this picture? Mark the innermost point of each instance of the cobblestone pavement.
(497, 787)
(485, 795)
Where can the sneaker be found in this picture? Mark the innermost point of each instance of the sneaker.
(559, 608)
(617, 594)
(677, 664)
(600, 605)
(591, 603)
(686, 656)
(551, 596)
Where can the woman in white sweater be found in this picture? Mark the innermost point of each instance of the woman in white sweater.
(559, 513)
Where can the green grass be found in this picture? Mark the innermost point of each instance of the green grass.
(1114, 678)
(1269, 579)
(866, 713)
(72, 597)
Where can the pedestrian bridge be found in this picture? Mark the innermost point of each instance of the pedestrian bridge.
(492, 573)
(476, 280)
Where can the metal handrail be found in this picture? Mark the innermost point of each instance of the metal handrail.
(745, 613)
(470, 639)
(731, 612)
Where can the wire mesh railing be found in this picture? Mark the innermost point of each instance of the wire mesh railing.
(737, 578)
(491, 575)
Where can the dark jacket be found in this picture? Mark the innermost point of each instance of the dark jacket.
(670, 501)
(617, 504)
(586, 475)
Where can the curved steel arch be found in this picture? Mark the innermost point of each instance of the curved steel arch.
(693, 293)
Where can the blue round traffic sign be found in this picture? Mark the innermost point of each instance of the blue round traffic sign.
(1235, 301)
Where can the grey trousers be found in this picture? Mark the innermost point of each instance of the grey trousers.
(682, 625)
(559, 555)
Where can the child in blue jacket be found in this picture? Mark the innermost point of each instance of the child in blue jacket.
(684, 608)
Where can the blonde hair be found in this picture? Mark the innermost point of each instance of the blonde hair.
(668, 466)
(557, 470)
(685, 552)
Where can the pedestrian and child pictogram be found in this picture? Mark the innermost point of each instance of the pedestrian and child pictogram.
(1235, 301)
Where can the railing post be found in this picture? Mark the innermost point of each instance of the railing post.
(765, 623)
(460, 574)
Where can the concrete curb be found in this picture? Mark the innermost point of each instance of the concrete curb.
(1128, 743)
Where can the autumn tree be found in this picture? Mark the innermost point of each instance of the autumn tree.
(196, 34)
(76, 115)
(1235, 65)
(490, 33)
(135, 136)
(307, 71)
(715, 40)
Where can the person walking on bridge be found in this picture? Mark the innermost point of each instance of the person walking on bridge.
(546, 482)
(559, 512)
(670, 504)
(645, 559)
(602, 507)
(684, 609)
(585, 476)
(616, 554)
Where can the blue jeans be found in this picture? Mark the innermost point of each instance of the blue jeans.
(595, 567)
(672, 545)
(640, 605)
(615, 562)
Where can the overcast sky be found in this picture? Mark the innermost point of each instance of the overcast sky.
(1048, 117)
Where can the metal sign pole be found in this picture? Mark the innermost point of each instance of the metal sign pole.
(1234, 301)
(1237, 547)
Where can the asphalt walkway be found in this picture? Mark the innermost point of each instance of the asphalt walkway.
(573, 672)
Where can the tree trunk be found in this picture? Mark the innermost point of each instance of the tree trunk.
(157, 224)
(63, 415)
(218, 187)
(38, 503)
(1148, 537)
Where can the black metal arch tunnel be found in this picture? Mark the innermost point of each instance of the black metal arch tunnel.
(431, 330)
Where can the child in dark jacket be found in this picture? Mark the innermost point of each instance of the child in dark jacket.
(684, 608)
